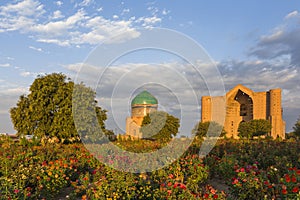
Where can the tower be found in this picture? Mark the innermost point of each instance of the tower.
(275, 110)
(141, 105)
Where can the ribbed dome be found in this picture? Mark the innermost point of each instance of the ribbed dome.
(144, 98)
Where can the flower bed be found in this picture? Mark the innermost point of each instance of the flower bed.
(251, 169)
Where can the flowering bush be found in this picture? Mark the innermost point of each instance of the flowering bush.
(48, 170)
(289, 185)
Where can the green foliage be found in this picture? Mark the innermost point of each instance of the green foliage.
(47, 110)
(251, 169)
(255, 127)
(160, 125)
(297, 128)
(208, 129)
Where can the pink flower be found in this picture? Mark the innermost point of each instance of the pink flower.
(16, 191)
(235, 181)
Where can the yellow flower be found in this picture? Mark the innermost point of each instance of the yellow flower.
(50, 173)
(56, 175)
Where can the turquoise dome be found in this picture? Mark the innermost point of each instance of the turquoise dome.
(144, 98)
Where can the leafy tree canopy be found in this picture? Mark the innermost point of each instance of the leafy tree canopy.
(256, 127)
(208, 129)
(160, 125)
(47, 109)
(297, 128)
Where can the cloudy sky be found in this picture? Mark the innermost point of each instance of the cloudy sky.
(252, 42)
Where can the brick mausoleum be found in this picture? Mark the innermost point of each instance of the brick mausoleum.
(242, 105)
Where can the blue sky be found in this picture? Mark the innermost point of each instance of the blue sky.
(255, 43)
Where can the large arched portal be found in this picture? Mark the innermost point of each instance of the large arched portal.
(246, 105)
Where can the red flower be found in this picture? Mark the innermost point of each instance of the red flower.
(287, 178)
(169, 184)
(16, 191)
(294, 180)
(284, 191)
(270, 186)
(215, 196)
(169, 192)
(295, 190)
(182, 186)
(266, 182)
(44, 163)
(206, 196)
(175, 185)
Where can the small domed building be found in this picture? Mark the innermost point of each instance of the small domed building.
(141, 105)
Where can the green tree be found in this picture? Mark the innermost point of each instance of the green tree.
(208, 129)
(256, 127)
(297, 128)
(47, 109)
(160, 125)
(245, 130)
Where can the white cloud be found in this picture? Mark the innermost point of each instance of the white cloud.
(292, 14)
(5, 65)
(59, 3)
(17, 91)
(20, 16)
(35, 48)
(125, 11)
(79, 28)
(58, 28)
(57, 15)
(24, 8)
(25, 74)
(86, 2)
(148, 22)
